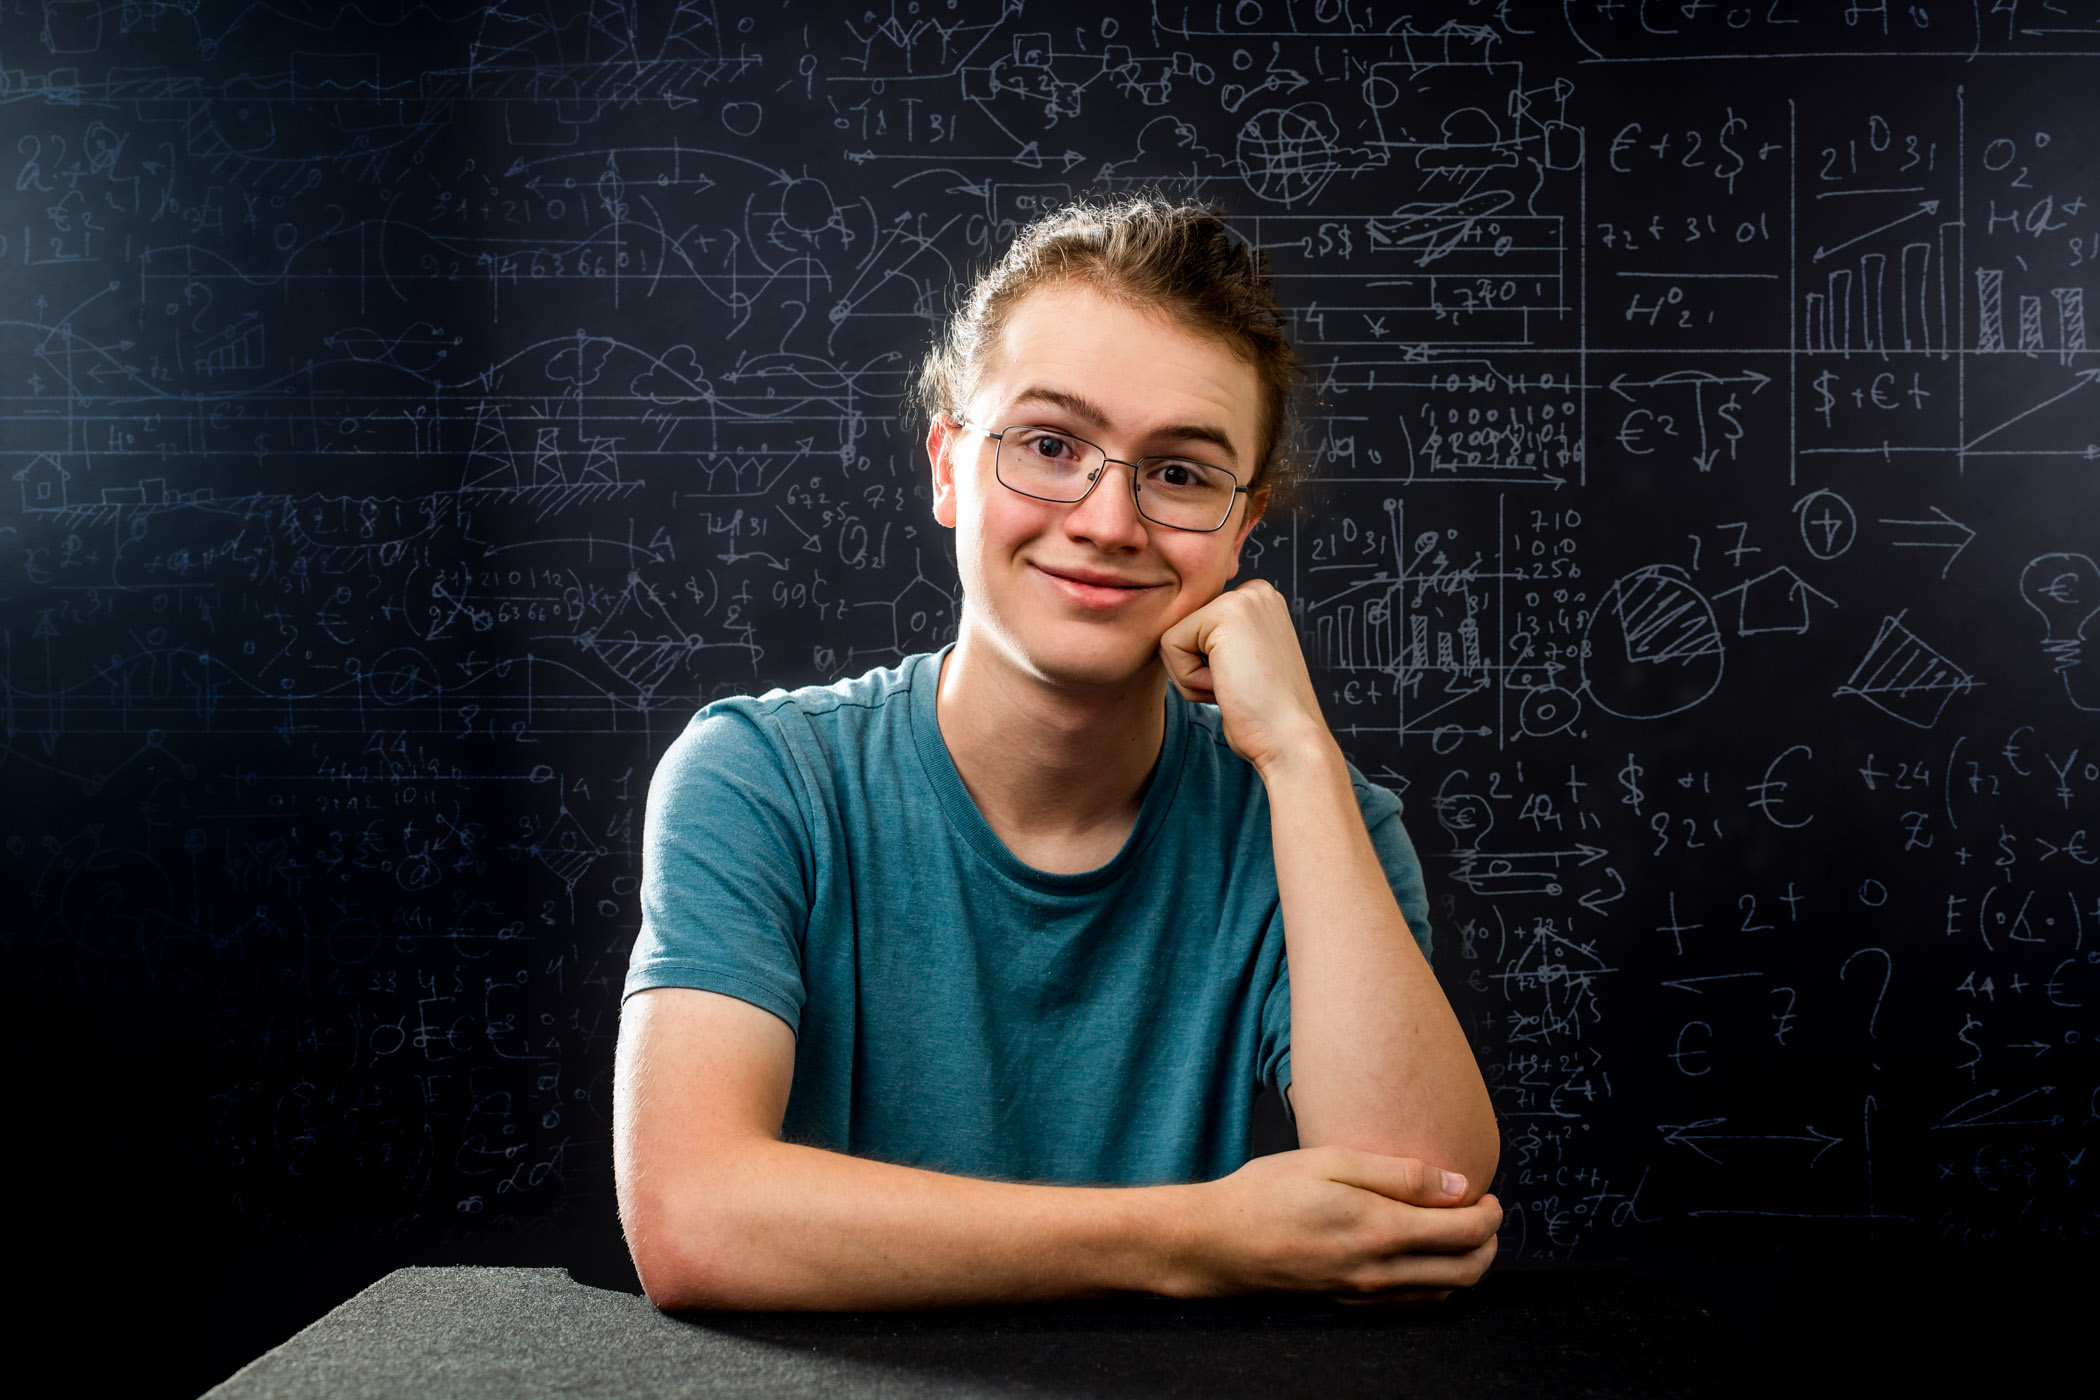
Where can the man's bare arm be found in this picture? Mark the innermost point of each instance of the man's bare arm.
(719, 1213)
(1378, 1060)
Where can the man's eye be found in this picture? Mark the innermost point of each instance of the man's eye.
(1182, 476)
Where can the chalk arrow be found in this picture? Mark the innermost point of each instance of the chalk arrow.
(810, 543)
(1930, 206)
(1689, 1135)
(1596, 899)
(1684, 984)
(1589, 855)
(1957, 546)
(1977, 1120)
(1620, 383)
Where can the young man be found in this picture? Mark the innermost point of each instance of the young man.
(957, 980)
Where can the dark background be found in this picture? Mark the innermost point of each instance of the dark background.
(414, 412)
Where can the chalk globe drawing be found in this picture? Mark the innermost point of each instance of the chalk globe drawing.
(1287, 154)
(1654, 646)
(1548, 710)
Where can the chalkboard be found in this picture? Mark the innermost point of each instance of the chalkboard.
(414, 412)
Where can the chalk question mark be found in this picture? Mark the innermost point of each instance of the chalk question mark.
(1888, 970)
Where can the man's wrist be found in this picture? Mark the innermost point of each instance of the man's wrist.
(1310, 754)
(1173, 1228)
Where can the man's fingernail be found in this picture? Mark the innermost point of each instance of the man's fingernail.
(1454, 1184)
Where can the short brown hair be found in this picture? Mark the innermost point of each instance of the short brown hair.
(1178, 258)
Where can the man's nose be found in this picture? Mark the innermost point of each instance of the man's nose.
(1109, 514)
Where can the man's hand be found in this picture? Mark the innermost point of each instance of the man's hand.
(1356, 1225)
(1240, 652)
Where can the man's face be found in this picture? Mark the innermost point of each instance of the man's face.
(1080, 594)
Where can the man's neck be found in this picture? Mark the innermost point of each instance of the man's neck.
(1058, 774)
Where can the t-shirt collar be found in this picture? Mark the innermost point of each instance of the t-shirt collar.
(924, 672)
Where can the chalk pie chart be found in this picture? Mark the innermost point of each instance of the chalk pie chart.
(1654, 646)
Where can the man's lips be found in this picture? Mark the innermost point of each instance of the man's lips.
(1094, 579)
(1093, 589)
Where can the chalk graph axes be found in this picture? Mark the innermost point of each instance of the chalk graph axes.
(2086, 378)
(2090, 450)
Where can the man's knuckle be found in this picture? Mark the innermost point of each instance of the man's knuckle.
(1365, 1279)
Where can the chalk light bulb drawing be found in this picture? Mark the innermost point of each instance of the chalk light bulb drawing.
(2065, 590)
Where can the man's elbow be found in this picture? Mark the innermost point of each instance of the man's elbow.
(664, 1268)
(1482, 1158)
(1472, 1146)
(679, 1262)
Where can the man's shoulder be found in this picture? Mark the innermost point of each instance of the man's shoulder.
(809, 728)
(852, 697)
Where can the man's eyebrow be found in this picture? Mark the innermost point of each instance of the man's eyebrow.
(1094, 417)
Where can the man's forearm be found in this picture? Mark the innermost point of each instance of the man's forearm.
(1378, 1059)
(772, 1225)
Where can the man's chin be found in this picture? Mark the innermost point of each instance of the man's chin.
(1099, 664)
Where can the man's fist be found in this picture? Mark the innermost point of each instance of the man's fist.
(1240, 652)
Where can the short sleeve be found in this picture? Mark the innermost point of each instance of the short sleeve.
(1396, 852)
(1403, 872)
(727, 869)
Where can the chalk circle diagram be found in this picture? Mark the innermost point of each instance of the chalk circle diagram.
(742, 118)
(1828, 523)
(806, 206)
(402, 676)
(1287, 154)
(1654, 646)
(1549, 709)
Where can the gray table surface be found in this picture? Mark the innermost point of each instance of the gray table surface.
(442, 1333)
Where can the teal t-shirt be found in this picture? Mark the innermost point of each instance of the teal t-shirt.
(815, 853)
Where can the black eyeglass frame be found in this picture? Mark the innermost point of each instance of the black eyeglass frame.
(1136, 495)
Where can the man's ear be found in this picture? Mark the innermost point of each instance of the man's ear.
(1257, 506)
(941, 437)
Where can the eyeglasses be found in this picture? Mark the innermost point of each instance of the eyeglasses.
(1178, 492)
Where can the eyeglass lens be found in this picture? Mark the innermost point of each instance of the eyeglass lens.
(1176, 491)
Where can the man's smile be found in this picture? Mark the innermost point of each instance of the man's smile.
(1094, 588)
